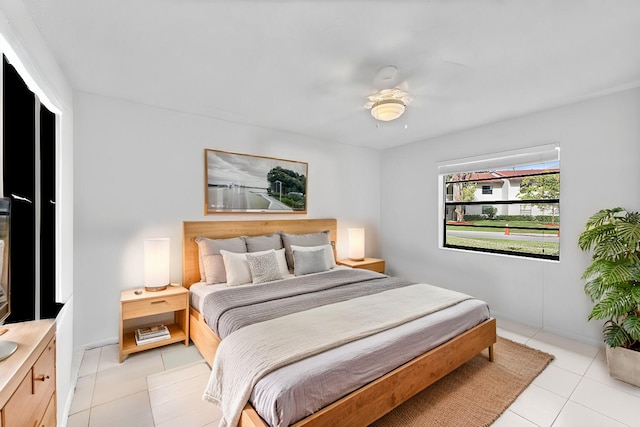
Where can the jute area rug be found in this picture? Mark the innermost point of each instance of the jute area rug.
(476, 393)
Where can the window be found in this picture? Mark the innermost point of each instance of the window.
(29, 177)
(521, 218)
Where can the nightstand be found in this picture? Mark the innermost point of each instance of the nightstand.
(373, 264)
(134, 308)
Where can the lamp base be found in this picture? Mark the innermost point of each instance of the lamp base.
(155, 288)
(356, 259)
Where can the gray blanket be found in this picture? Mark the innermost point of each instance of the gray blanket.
(231, 309)
(250, 353)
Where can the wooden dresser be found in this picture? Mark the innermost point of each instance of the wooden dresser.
(28, 376)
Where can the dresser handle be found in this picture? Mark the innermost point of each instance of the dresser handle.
(158, 302)
(41, 378)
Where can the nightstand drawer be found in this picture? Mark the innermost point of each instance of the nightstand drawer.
(375, 266)
(150, 306)
(136, 305)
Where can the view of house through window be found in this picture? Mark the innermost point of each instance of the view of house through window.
(508, 205)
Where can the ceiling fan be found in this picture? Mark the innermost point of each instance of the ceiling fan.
(390, 99)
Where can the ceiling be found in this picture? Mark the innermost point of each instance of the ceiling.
(306, 67)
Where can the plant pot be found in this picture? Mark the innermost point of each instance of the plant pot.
(624, 364)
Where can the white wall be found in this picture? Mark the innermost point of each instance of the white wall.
(28, 47)
(140, 172)
(600, 151)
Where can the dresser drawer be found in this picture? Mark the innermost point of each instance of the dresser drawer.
(49, 418)
(19, 410)
(149, 306)
(44, 376)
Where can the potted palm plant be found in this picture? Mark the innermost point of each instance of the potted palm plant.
(613, 284)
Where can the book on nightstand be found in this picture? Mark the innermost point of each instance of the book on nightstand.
(152, 334)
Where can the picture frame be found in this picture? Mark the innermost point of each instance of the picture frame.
(244, 183)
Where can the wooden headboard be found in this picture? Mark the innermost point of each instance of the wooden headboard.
(228, 229)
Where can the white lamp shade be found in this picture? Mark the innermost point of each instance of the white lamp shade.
(356, 244)
(157, 257)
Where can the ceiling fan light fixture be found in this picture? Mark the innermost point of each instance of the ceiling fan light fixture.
(387, 109)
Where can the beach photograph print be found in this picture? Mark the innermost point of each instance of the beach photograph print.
(242, 183)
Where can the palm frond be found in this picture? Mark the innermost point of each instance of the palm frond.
(631, 325)
(628, 231)
(596, 268)
(604, 216)
(621, 274)
(612, 272)
(616, 336)
(610, 247)
(633, 217)
(635, 295)
(613, 304)
(594, 289)
(591, 237)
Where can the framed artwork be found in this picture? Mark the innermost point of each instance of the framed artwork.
(242, 183)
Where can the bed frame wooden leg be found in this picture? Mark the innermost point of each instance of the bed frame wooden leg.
(491, 353)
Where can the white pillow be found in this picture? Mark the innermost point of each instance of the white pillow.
(237, 266)
(328, 252)
(282, 261)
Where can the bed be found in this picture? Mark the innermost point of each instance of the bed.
(366, 403)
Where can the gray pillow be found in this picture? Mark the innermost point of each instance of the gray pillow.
(307, 262)
(311, 239)
(209, 258)
(213, 266)
(328, 252)
(264, 267)
(263, 243)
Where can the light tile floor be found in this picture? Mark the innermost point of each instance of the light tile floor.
(109, 393)
(574, 390)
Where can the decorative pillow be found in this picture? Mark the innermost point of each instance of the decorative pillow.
(264, 267)
(213, 267)
(238, 270)
(307, 262)
(237, 267)
(263, 243)
(311, 239)
(328, 252)
(282, 262)
(212, 270)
